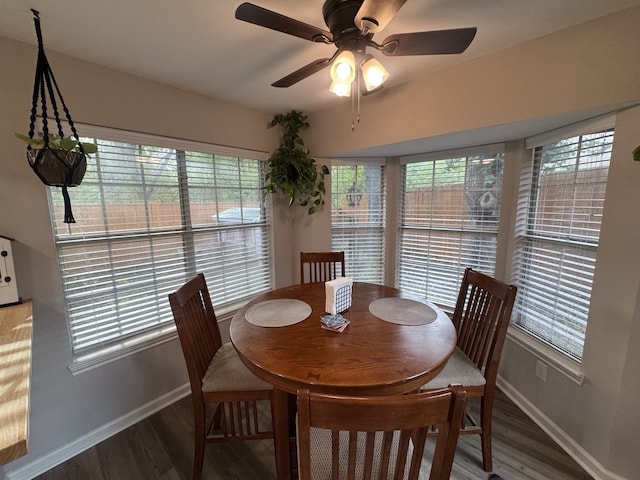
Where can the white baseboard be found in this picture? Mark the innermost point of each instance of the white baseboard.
(568, 444)
(40, 465)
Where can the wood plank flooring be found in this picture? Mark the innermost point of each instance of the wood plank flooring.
(161, 447)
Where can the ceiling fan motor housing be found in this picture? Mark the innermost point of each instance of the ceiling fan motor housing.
(339, 15)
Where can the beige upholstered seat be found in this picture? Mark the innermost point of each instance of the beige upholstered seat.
(226, 372)
(460, 367)
(481, 318)
(376, 437)
(216, 374)
(321, 266)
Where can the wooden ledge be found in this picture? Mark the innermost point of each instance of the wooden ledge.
(15, 368)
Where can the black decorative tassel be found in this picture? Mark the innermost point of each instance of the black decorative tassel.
(68, 214)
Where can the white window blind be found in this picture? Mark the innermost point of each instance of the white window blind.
(358, 218)
(560, 207)
(449, 221)
(149, 218)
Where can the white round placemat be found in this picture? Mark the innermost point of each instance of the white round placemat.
(402, 311)
(280, 312)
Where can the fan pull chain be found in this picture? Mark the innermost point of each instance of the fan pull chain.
(353, 107)
(355, 103)
(358, 100)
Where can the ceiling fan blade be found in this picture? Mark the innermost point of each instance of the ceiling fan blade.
(251, 13)
(376, 14)
(437, 42)
(302, 73)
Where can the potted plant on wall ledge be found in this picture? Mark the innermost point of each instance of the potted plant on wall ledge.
(291, 169)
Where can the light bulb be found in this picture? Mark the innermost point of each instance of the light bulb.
(343, 71)
(343, 68)
(375, 77)
(341, 89)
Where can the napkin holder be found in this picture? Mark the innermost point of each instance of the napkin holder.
(338, 295)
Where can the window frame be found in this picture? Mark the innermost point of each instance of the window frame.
(360, 232)
(482, 150)
(565, 362)
(91, 357)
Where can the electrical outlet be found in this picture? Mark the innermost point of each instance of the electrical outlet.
(541, 370)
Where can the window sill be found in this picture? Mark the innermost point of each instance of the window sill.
(85, 363)
(568, 367)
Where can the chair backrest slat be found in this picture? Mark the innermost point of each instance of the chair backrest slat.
(321, 266)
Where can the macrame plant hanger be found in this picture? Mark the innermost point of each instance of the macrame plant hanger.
(55, 167)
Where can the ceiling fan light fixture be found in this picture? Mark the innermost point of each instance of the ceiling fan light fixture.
(341, 89)
(373, 72)
(352, 24)
(343, 68)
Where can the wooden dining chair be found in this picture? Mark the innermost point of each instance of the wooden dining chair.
(217, 376)
(360, 437)
(481, 317)
(321, 266)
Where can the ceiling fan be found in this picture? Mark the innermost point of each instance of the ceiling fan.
(352, 24)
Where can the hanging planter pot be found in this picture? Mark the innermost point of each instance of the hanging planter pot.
(57, 160)
(61, 163)
(58, 168)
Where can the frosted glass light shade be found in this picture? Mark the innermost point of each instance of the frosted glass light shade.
(373, 73)
(343, 68)
(341, 89)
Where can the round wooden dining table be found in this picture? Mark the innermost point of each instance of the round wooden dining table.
(372, 356)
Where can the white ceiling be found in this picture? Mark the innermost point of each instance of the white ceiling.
(199, 46)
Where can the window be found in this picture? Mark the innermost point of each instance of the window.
(560, 206)
(151, 213)
(357, 218)
(449, 220)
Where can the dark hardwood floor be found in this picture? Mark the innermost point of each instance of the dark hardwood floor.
(161, 447)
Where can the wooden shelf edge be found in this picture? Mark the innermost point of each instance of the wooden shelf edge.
(15, 369)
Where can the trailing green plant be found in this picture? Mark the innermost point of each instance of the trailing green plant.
(291, 169)
(68, 144)
(636, 154)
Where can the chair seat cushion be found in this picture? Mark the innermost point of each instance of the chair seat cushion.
(459, 369)
(226, 372)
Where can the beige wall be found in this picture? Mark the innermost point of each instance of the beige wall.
(591, 66)
(609, 352)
